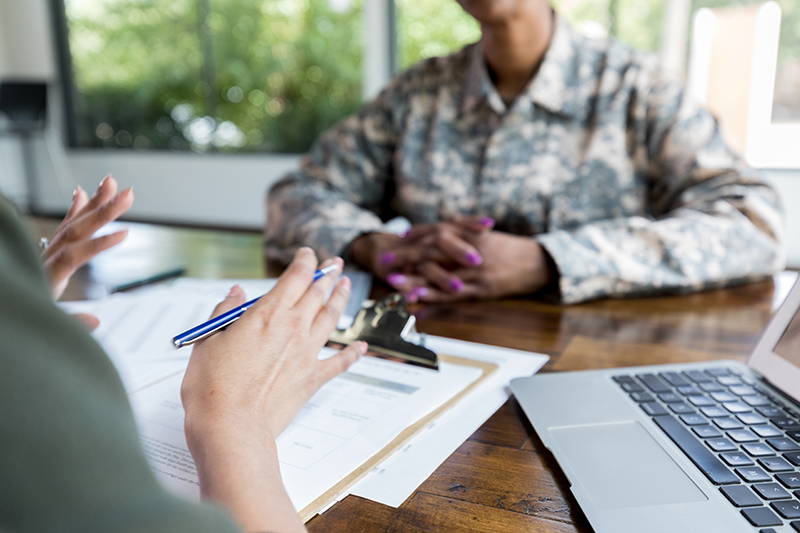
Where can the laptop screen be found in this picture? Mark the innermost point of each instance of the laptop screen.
(777, 354)
(788, 346)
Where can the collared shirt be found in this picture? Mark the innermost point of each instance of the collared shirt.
(603, 159)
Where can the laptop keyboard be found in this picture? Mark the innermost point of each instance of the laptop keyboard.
(738, 433)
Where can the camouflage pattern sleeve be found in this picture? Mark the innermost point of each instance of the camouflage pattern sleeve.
(710, 220)
(338, 191)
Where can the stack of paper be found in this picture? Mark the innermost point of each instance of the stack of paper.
(351, 419)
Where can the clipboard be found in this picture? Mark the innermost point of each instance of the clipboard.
(394, 305)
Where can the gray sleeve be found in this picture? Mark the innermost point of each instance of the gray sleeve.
(712, 220)
(71, 459)
(340, 189)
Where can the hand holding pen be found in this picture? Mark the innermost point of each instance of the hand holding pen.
(245, 385)
(224, 320)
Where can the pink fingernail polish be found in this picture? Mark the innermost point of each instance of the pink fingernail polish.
(396, 279)
(388, 258)
(102, 183)
(456, 284)
(474, 258)
(403, 234)
(488, 222)
(421, 292)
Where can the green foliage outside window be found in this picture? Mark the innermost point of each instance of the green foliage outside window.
(243, 75)
(270, 75)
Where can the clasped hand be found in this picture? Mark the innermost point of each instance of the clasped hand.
(459, 259)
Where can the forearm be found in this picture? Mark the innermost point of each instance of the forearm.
(302, 213)
(239, 470)
(689, 250)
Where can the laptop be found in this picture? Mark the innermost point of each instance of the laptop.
(705, 447)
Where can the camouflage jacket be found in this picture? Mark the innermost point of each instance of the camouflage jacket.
(603, 159)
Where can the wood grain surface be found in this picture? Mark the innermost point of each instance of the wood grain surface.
(502, 478)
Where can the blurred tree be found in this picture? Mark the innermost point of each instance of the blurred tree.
(253, 75)
(270, 75)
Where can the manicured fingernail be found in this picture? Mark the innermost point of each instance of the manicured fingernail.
(363, 347)
(103, 183)
(474, 258)
(403, 234)
(396, 279)
(488, 222)
(388, 258)
(76, 191)
(421, 292)
(456, 284)
(234, 290)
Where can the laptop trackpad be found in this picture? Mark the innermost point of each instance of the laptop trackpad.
(621, 465)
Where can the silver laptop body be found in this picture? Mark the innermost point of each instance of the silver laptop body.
(629, 475)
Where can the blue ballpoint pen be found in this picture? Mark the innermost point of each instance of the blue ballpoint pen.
(226, 319)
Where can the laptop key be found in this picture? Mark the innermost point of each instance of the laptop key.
(795, 525)
(723, 396)
(751, 418)
(762, 516)
(737, 407)
(770, 411)
(642, 397)
(793, 434)
(681, 408)
(757, 449)
(653, 408)
(742, 390)
(693, 420)
(740, 496)
(653, 383)
(783, 445)
(785, 423)
(714, 411)
(789, 480)
(632, 387)
(752, 475)
(721, 445)
(711, 386)
(729, 381)
(623, 379)
(718, 372)
(674, 379)
(755, 401)
(771, 491)
(741, 435)
(793, 458)
(701, 401)
(696, 376)
(776, 464)
(736, 459)
(689, 390)
(701, 456)
(706, 432)
(787, 509)
(669, 397)
(727, 423)
(765, 431)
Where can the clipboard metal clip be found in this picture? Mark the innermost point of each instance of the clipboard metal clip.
(386, 326)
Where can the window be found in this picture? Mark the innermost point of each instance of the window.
(270, 75)
(212, 75)
(786, 99)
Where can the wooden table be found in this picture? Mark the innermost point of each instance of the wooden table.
(502, 478)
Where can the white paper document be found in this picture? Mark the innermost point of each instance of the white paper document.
(353, 417)
(136, 328)
(394, 480)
